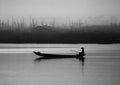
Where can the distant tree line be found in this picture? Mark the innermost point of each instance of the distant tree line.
(102, 34)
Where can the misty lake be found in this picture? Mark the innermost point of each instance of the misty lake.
(101, 66)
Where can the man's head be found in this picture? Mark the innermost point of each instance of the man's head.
(82, 48)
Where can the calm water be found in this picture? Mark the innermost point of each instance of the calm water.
(101, 66)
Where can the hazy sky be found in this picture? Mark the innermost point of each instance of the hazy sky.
(59, 8)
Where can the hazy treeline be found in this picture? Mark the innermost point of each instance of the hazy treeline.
(20, 32)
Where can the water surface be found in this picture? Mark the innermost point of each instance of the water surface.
(101, 66)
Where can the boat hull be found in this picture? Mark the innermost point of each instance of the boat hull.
(53, 56)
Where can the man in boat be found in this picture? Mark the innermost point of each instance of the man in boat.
(79, 56)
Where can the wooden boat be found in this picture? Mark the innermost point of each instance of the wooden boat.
(79, 56)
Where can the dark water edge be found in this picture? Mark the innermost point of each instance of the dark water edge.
(54, 42)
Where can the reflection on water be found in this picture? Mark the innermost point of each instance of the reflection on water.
(20, 68)
(39, 59)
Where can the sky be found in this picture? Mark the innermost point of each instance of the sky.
(60, 8)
